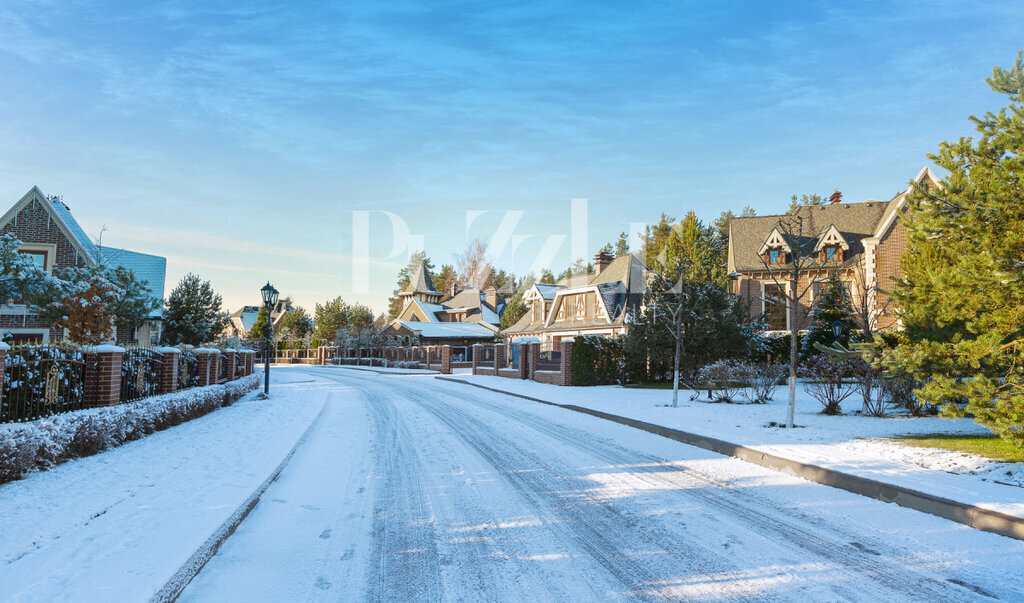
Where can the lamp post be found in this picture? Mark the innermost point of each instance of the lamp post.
(837, 329)
(269, 294)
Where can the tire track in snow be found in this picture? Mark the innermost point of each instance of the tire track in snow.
(776, 520)
(404, 565)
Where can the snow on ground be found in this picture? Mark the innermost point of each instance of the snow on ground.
(117, 525)
(415, 489)
(389, 369)
(848, 443)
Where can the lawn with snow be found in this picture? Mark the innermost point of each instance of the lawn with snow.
(850, 442)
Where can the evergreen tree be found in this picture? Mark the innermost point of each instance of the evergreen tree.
(514, 310)
(331, 316)
(622, 244)
(721, 224)
(446, 281)
(547, 277)
(192, 313)
(395, 302)
(296, 324)
(963, 290)
(832, 305)
(258, 330)
(804, 200)
(20, 278)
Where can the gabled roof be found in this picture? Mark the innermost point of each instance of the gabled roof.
(925, 178)
(420, 281)
(854, 221)
(831, 236)
(61, 215)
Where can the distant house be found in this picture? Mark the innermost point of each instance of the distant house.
(240, 321)
(861, 242)
(470, 316)
(54, 239)
(592, 304)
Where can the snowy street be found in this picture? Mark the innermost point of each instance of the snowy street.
(413, 489)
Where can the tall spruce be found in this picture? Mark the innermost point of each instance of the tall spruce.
(962, 293)
(192, 313)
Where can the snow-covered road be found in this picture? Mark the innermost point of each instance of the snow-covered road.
(413, 489)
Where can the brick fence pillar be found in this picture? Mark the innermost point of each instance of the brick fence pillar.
(3, 353)
(565, 366)
(207, 369)
(168, 377)
(478, 353)
(446, 360)
(499, 357)
(103, 375)
(248, 361)
(533, 353)
(230, 358)
(524, 361)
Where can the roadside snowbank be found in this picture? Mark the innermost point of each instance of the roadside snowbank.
(43, 443)
(847, 443)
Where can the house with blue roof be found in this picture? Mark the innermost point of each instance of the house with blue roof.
(54, 239)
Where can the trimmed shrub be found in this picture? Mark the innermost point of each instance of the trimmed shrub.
(47, 442)
(595, 360)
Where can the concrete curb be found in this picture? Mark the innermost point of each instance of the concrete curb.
(976, 517)
(191, 568)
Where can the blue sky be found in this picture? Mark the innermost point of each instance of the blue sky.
(237, 139)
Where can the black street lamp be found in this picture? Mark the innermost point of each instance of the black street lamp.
(837, 329)
(269, 294)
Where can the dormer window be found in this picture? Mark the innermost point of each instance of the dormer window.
(831, 246)
(774, 250)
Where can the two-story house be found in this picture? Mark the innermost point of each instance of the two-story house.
(240, 321)
(592, 304)
(54, 239)
(470, 316)
(861, 242)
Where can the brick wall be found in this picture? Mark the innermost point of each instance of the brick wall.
(887, 265)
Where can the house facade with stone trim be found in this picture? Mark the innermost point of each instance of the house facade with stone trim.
(470, 316)
(52, 236)
(860, 242)
(592, 304)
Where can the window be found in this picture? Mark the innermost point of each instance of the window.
(775, 307)
(538, 311)
(831, 254)
(591, 305)
(39, 257)
(775, 256)
(570, 306)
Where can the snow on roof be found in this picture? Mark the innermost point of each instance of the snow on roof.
(448, 329)
(547, 291)
(149, 268)
(64, 213)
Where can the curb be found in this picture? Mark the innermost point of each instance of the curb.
(191, 568)
(969, 515)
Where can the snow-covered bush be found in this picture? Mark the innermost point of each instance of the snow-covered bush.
(406, 364)
(762, 379)
(44, 443)
(723, 377)
(829, 381)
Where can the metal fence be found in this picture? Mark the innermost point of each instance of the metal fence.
(140, 372)
(188, 369)
(42, 380)
(550, 361)
(222, 368)
(239, 365)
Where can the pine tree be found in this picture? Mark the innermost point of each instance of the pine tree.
(192, 313)
(258, 330)
(796, 203)
(832, 305)
(330, 317)
(963, 289)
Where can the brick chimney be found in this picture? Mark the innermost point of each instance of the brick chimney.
(491, 298)
(836, 198)
(601, 261)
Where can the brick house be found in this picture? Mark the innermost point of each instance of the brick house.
(591, 304)
(240, 321)
(861, 242)
(467, 317)
(52, 236)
